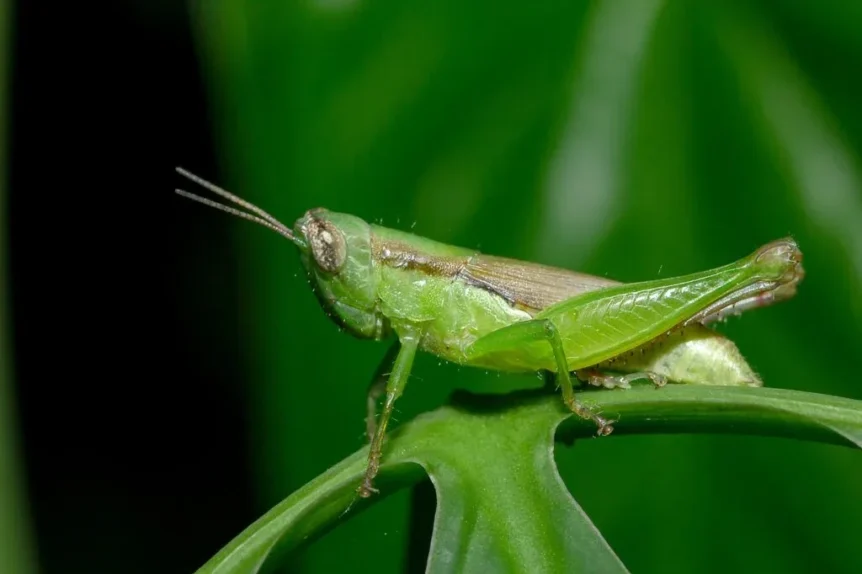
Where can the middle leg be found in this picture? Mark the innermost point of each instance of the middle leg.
(516, 335)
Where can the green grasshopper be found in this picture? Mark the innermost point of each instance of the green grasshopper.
(516, 316)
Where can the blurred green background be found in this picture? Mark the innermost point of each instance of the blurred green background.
(624, 139)
(631, 140)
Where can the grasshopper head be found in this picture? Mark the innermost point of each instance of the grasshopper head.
(335, 249)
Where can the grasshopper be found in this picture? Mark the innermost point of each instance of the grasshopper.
(516, 316)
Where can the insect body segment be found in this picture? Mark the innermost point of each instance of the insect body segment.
(693, 354)
(508, 315)
(340, 264)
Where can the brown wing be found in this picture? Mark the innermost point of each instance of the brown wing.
(530, 286)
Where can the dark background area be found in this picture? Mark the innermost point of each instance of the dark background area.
(173, 375)
(120, 421)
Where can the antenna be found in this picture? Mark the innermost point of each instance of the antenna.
(257, 215)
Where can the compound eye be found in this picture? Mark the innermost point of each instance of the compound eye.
(327, 245)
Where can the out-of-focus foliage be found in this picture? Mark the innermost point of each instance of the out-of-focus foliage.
(16, 554)
(623, 139)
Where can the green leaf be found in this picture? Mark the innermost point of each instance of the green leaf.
(502, 506)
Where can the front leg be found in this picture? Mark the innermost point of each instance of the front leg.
(518, 334)
(408, 343)
(377, 388)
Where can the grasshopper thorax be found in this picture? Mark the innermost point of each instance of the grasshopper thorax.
(335, 249)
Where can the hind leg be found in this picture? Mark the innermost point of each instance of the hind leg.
(599, 379)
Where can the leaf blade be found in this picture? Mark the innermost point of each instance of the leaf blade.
(473, 446)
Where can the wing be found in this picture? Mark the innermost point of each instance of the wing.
(529, 286)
